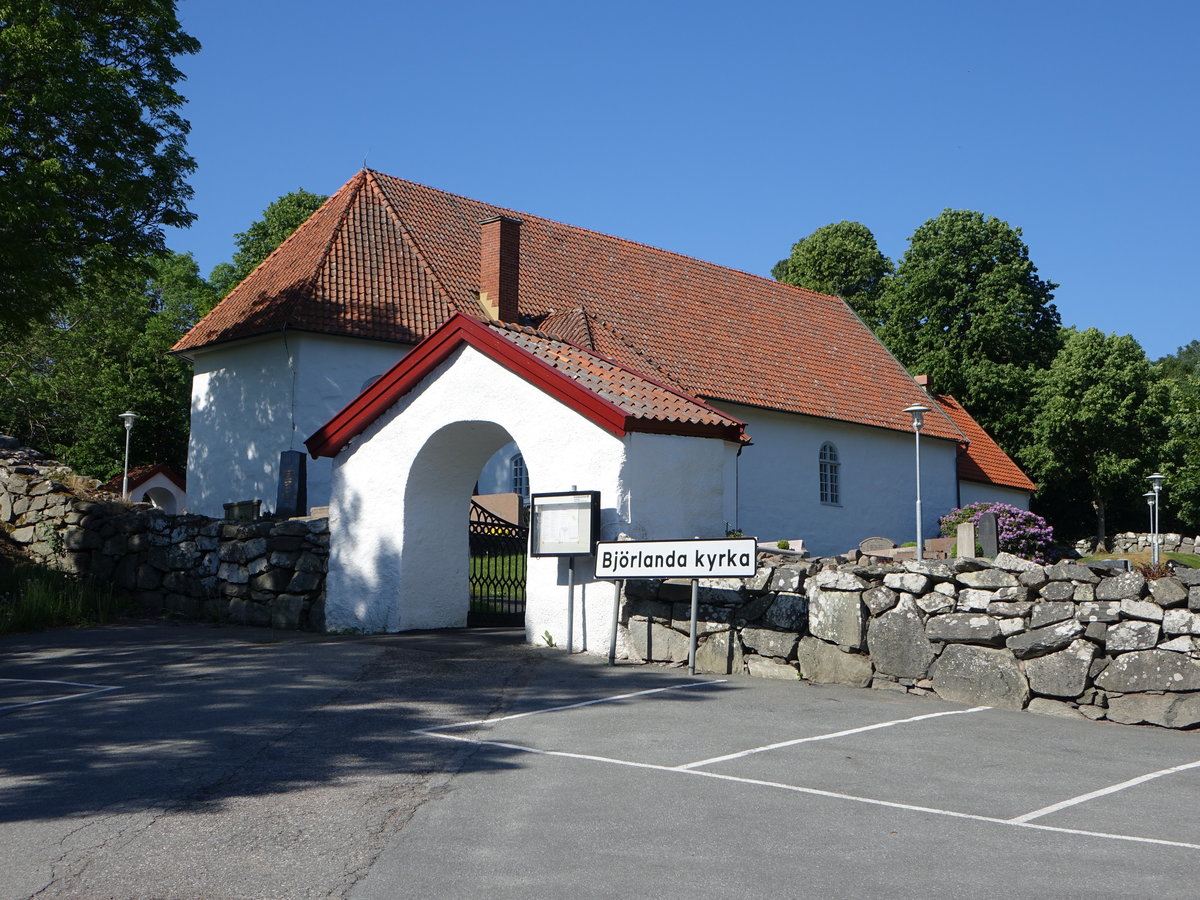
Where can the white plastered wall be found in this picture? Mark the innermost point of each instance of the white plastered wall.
(163, 493)
(398, 509)
(252, 400)
(778, 482)
(973, 492)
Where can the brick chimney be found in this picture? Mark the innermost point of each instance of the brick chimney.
(924, 381)
(500, 267)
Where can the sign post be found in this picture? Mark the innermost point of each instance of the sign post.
(565, 523)
(695, 559)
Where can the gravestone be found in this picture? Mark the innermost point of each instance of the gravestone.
(966, 538)
(988, 538)
(293, 485)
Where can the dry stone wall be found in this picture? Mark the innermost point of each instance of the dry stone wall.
(257, 573)
(1082, 641)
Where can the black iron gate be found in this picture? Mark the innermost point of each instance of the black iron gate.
(498, 558)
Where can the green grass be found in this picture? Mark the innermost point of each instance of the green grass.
(33, 598)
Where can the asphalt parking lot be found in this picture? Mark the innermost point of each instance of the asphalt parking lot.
(196, 761)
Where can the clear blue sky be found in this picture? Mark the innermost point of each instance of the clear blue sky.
(728, 131)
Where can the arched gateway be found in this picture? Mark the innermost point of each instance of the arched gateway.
(407, 450)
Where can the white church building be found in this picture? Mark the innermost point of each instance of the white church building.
(423, 346)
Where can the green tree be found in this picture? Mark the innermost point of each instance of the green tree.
(92, 146)
(1181, 454)
(1182, 363)
(840, 259)
(63, 382)
(967, 307)
(1098, 430)
(257, 242)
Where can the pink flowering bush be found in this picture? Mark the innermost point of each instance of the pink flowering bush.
(1020, 532)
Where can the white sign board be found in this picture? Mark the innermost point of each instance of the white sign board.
(724, 557)
(564, 524)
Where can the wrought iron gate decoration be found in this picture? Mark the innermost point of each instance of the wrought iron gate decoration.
(498, 560)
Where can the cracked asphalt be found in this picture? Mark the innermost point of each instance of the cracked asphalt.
(227, 762)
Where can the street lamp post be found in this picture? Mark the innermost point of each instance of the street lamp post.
(1156, 481)
(917, 411)
(128, 418)
(1149, 498)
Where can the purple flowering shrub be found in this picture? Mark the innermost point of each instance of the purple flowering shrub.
(1020, 532)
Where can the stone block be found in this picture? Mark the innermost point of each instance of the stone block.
(286, 612)
(1058, 590)
(763, 667)
(897, 643)
(719, 654)
(1180, 621)
(1071, 572)
(1006, 609)
(1009, 627)
(988, 579)
(934, 602)
(273, 581)
(1049, 612)
(1099, 611)
(1188, 577)
(1033, 579)
(305, 582)
(761, 580)
(880, 599)
(838, 580)
(908, 582)
(837, 616)
(1141, 609)
(1149, 670)
(1040, 641)
(1045, 707)
(975, 600)
(766, 642)
(964, 628)
(788, 612)
(1194, 599)
(1128, 586)
(1061, 674)
(1096, 631)
(233, 573)
(1167, 710)
(1168, 592)
(654, 642)
(979, 676)
(824, 663)
(788, 578)
(1131, 635)
(1181, 644)
(1009, 563)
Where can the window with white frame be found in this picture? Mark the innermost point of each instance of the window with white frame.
(520, 476)
(831, 487)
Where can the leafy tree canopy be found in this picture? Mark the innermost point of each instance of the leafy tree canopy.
(1183, 362)
(92, 145)
(63, 382)
(841, 259)
(1099, 427)
(257, 242)
(967, 307)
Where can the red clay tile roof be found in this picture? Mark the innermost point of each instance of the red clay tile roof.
(390, 260)
(614, 397)
(140, 475)
(982, 459)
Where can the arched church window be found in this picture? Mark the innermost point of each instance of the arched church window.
(520, 476)
(831, 482)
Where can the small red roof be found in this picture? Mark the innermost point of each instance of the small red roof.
(388, 259)
(614, 397)
(982, 459)
(140, 475)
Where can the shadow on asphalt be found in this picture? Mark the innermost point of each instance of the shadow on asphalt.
(205, 714)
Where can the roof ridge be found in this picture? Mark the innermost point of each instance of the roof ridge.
(603, 234)
(407, 235)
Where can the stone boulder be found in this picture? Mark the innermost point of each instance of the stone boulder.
(979, 676)
(837, 616)
(1131, 635)
(1040, 641)
(988, 579)
(1061, 674)
(720, 654)
(897, 643)
(1150, 670)
(1168, 592)
(763, 667)
(766, 642)
(789, 612)
(964, 628)
(1168, 710)
(1129, 586)
(823, 663)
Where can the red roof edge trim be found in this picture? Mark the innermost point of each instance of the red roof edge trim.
(459, 330)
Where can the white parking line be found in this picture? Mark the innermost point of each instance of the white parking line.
(826, 737)
(1083, 798)
(95, 689)
(550, 709)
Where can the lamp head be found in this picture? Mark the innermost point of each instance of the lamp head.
(128, 418)
(1149, 495)
(1156, 481)
(917, 411)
